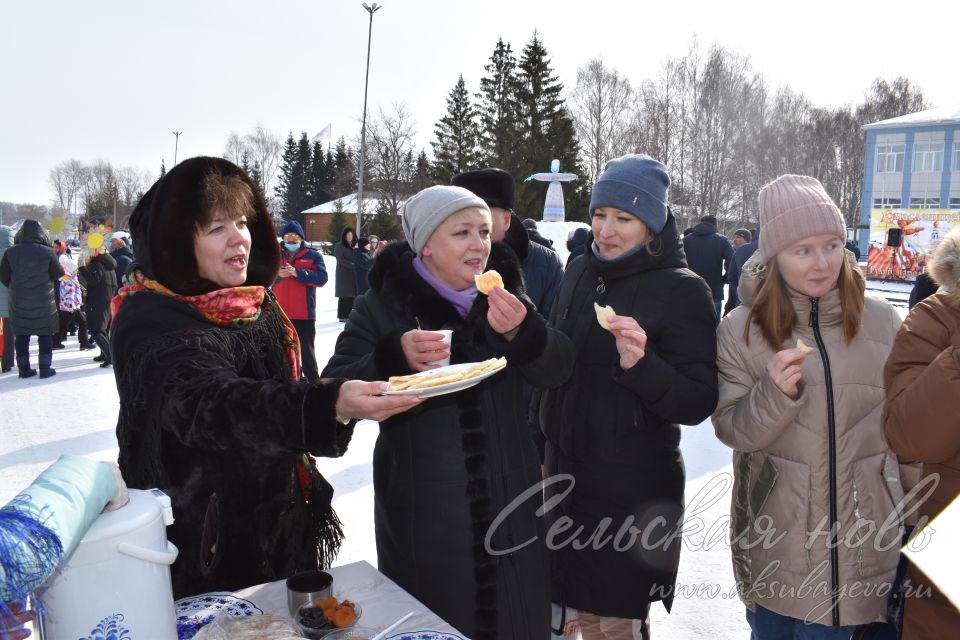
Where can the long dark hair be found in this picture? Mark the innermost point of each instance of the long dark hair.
(343, 237)
(772, 309)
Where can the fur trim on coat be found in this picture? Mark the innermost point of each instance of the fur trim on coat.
(945, 266)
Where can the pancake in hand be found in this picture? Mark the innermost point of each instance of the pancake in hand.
(603, 315)
(486, 282)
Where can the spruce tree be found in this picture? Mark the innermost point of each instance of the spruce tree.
(286, 187)
(338, 222)
(385, 224)
(256, 174)
(304, 193)
(423, 176)
(320, 186)
(457, 135)
(547, 132)
(252, 170)
(344, 170)
(498, 110)
(163, 168)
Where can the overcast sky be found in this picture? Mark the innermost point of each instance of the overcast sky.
(111, 79)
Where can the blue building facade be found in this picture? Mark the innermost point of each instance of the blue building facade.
(911, 165)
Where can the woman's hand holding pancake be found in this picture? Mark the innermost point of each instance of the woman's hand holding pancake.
(631, 340)
(506, 313)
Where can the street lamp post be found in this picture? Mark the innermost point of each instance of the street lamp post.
(363, 126)
(176, 145)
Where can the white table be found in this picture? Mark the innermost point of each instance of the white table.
(381, 600)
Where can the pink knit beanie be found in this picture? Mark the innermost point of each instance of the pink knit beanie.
(793, 208)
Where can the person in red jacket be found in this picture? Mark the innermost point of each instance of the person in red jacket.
(301, 271)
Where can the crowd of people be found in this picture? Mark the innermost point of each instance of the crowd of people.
(832, 408)
(47, 293)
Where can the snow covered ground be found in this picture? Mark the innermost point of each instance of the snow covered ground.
(75, 412)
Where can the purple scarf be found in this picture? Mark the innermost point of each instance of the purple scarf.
(461, 300)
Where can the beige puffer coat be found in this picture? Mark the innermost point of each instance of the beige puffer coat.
(799, 465)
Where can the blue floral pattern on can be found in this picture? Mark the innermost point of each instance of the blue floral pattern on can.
(196, 612)
(109, 629)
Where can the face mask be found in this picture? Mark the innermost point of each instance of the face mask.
(291, 246)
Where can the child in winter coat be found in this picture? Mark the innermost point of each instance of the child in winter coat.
(70, 303)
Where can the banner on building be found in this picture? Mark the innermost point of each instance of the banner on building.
(902, 241)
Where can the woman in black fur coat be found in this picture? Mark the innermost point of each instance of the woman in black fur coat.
(445, 472)
(212, 408)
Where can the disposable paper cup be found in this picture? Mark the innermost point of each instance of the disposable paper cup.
(447, 338)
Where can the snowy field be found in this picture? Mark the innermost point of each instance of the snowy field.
(75, 412)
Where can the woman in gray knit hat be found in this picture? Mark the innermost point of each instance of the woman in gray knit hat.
(445, 476)
(814, 521)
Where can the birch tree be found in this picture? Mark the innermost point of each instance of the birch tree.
(601, 109)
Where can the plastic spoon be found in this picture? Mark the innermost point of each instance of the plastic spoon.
(383, 634)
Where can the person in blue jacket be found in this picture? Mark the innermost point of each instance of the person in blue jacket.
(301, 272)
(708, 254)
(740, 256)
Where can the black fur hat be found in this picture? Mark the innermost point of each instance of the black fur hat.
(496, 187)
(163, 227)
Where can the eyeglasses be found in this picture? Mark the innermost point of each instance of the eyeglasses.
(291, 237)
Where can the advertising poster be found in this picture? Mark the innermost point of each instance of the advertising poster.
(902, 240)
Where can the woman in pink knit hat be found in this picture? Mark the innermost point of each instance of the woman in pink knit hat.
(815, 530)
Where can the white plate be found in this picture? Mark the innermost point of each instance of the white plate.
(450, 387)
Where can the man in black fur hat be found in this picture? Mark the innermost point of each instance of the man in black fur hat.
(542, 269)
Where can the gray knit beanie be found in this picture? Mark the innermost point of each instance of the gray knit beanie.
(426, 210)
(793, 208)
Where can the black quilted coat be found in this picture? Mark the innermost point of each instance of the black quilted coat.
(100, 278)
(30, 269)
(616, 432)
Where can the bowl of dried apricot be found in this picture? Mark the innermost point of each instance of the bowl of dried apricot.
(323, 616)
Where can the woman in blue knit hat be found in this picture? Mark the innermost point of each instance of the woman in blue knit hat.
(613, 434)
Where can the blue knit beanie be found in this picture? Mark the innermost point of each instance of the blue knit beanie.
(636, 184)
(292, 227)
